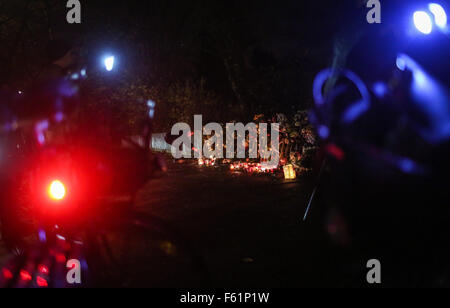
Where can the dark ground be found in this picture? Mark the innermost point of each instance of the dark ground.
(249, 229)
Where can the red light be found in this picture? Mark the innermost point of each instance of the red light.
(61, 258)
(41, 282)
(57, 190)
(336, 151)
(7, 274)
(43, 269)
(24, 275)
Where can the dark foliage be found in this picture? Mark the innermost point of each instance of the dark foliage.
(225, 59)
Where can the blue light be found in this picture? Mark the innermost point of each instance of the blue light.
(151, 105)
(109, 63)
(355, 109)
(42, 236)
(440, 17)
(432, 98)
(407, 165)
(380, 89)
(423, 22)
(401, 64)
(324, 132)
(59, 117)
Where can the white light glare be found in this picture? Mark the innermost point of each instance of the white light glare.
(440, 17)
(109, 63)
(423, 22)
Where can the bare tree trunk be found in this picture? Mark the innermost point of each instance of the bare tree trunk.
(232, 80)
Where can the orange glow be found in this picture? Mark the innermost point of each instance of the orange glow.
(57, 190)
(289, 172)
